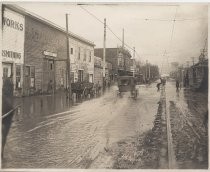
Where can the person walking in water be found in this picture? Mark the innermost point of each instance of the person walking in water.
(177, 85)
(158, 86)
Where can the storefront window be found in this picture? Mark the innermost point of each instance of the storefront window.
(79, 53)
(18, 76)
(5, 72)
(32, 74)
(27, 71)
(89, 56)
(85, 55)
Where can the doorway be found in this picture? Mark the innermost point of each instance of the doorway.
(48, 75)
(80, 75)
(7, 70)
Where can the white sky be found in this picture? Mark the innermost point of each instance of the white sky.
(150, 38)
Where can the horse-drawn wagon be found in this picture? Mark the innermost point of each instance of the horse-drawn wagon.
(82, 89)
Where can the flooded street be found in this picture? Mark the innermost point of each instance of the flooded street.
(188, 111)
(110, 131)
(78, 137)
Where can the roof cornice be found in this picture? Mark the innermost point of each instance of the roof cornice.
(24, 12)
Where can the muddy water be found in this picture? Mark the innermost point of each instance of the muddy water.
(190, 136)
(76, 138)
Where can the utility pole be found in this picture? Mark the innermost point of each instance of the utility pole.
(104, 55)
(134, 61)
(149, 70)
(123, 56)
(68, 85)
(123, 39)
(146, 69)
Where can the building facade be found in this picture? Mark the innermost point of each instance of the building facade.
(45, 57)
(13, 36)
(119, 57)
(35, 53)
(98, 71)
(82, 60)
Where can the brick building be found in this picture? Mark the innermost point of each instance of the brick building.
(119, 57)
(98, 70)
(40, 58)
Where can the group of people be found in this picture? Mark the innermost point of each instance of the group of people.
(162, 82)
(97, 88)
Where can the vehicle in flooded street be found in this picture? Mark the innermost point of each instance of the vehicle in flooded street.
(127, 84)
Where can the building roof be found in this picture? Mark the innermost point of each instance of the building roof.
(110, 53)
(24, 12)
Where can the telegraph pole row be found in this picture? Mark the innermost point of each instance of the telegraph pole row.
(68, 82)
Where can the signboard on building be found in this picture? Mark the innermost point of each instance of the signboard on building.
(13, 37)
(51, 54)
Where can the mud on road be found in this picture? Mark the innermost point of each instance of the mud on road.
(189, 140)
(145, 151)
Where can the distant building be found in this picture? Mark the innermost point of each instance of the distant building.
(198, 75)
(98, 70)
(119, 58)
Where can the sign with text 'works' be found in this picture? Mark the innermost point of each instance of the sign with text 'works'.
(13, 37)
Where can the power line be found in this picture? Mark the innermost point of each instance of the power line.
(109, 28)
(91, 14)
(172, 34)
(170, 20)
(146, 19)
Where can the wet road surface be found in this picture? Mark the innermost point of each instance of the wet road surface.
(190, 136)
(109, 130)
(77, 137)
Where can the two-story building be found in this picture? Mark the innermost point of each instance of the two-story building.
(35, 53)
(81, 59)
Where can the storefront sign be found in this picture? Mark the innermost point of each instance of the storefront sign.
(51, 54)
(13, 37)
(11, 54)
(12, 23)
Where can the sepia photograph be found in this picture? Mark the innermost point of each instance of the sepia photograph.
(104, 85)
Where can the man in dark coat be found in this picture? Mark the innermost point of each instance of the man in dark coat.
(7, 106)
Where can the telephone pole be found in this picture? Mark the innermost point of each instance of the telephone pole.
(68, 83)
(134, 61)
(123, 57)
(123, 39)
(104, 55)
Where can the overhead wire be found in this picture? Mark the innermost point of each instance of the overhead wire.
(169, 20)
(146, 19)
(109, 28)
